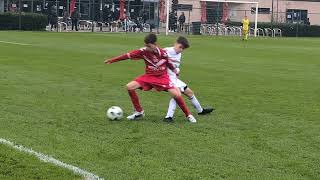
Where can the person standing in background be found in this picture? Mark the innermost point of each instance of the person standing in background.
(245, 28)
(75, 16)
(172, 22)
(54, 17)
(65, 18)
(182, 20)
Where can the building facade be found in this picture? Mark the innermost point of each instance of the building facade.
(284, 11)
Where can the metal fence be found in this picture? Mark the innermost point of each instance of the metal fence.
(216, 21)
(94, 15)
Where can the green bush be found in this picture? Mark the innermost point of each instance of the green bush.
(29, 21)
(288, 30)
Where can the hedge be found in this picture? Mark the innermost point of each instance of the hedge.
(289, 30)
(29, 21)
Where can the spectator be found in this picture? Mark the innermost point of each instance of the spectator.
(54, 17)
(172, 22)
(116, 14)
(308, 22)
(139, 24)
(144, 17)
(182, 20)
(107, 16)
(65, 18)
(75, 16)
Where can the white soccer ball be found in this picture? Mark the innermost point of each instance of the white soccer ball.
(115, 113)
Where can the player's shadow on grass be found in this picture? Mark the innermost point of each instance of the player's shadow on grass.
(152, 119)
(156, 119)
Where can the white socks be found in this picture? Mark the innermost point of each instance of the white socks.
(196, 104)
(173, 106)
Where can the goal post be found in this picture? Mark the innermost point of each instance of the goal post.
(198, 7)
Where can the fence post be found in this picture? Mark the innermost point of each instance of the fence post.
(158, 18)
(32, 6)
(167, 18)
(217, 19)
(68, 8)
(20, 15)
(272, 9)
(101, 12)
(57, 16)
(189, 22)
(7, 6)
(256, 20)
(93, 15)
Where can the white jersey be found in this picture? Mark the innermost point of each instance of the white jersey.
(176, 59)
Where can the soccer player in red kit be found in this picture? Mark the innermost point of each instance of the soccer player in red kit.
(155, 77)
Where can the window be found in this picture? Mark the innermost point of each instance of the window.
(184, 7)
(261, 10)
(297, 16)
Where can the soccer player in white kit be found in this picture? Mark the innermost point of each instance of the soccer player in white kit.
(174, 54)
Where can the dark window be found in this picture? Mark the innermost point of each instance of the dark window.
(214, 12)
(297, 16)
(184, 7)
(261, 10)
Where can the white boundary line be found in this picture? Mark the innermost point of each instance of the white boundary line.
(87, 175)
(16, 43)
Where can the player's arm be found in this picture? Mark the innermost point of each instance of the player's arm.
(168, 61)
(135, 54)
(116, 59)
(172, 67)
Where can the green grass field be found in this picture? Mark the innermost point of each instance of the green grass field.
(55, 91)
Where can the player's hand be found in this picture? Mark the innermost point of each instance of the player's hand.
(177, 71)
(108, 61)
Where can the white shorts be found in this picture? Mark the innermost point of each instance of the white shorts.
(179, 84)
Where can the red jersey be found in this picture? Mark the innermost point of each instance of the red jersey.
(156, 63)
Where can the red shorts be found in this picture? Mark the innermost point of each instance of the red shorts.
(160, 83)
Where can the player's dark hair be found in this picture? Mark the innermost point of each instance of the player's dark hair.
(183, 41)
(150, 39)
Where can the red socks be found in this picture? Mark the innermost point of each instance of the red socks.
(135, 100)
(182, 105)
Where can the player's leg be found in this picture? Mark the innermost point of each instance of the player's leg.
(131, 87)
(243, 34)
(246, 34)
(194, 101)
(171, 110)
(176, 94)
(76, 24)
(196, 104)
(172, 104)
(189, 93)
(72, 24)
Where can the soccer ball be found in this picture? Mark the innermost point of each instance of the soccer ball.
(114, 113)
